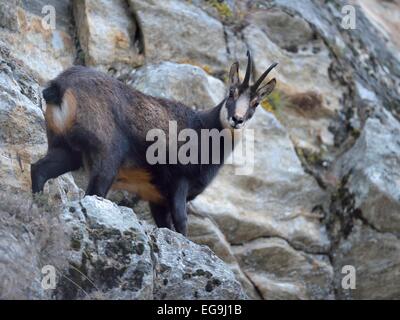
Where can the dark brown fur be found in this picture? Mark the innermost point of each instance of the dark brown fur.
(96, 121)
(106, 129)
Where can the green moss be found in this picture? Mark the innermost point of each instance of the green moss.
(222, 8)
(309, 157)
(75, 244)
(355, 132)
(274, 102)
(206, 68)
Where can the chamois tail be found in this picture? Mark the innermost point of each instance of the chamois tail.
(52, 94)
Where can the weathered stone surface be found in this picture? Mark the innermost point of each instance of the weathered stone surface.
(107, 33)
(8, 15)
(374, 179)
(204, 231)
(225, 11)
(192, 36)
(291, 33)
(255, 206)
(375, 257)
(63, 8)
(266, 202)
(269, 206)
(360, 51)
(281, 272)
(181, 82)
(109, 253)
(300, 74)
(384, 15)
(114, 256)
(44, 51)
(269, 226)
(237, 50)
(22, 128)
(31, 237)
(192, 271)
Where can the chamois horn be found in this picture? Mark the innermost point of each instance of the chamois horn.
(246, 80)
(255, 86)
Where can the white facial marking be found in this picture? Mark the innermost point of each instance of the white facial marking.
(223, 117)
(242, 104)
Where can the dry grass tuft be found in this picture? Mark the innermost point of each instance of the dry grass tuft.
(31, 236)
(307, 100)
(307, 103)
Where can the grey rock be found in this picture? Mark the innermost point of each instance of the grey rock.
(281, 272)
(373, 165)
(375, 257)
(22, 128)
(180, 82)
(291, 33)
(192, 36)
(113, 255)
(187, 271)
(266, 201)
(384, 17)
(300, 75)
(31, 237)
(107, 34)
(8, 15)
(20, 266)
(64, 19)
(225, 11)
(204, 231)
(269, 227)
(110, 255)
(382, 76)
(237, 49)
(45, 51)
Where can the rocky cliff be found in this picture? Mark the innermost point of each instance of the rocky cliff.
(325, 189)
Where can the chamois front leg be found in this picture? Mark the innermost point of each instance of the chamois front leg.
(57, 162)
(178, 206)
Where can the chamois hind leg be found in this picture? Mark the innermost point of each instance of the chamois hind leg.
(178, 207)
(101, 178)
(104, 168)
(58, 161)
(161, 215)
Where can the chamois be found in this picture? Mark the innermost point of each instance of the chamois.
(99, 123)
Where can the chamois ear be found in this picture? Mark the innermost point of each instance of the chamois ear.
(266, 89)
(263, 92)
(234, 74)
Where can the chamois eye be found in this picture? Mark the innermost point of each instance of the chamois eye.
(234, 93)
(254, 102)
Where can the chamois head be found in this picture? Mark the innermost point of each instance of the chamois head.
(243, 98)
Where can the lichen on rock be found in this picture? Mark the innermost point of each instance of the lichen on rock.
(324, 192)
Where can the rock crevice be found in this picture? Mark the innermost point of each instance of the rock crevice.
(324, 192)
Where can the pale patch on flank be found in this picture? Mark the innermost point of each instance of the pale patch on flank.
(60, 118)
